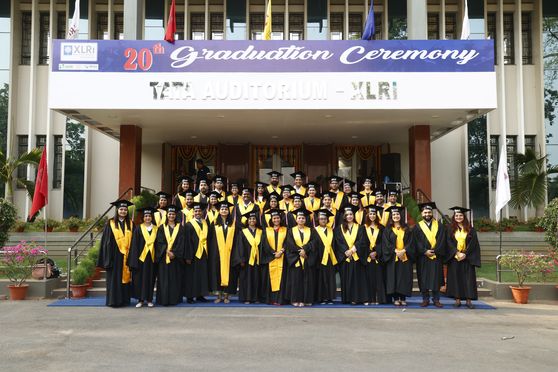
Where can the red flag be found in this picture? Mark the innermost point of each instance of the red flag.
(40, 198)
(171, 25)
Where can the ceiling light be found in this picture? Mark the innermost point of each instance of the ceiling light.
(193, 137)
(274, 137)
(328, 116)
(435, 116)
(220, 116)
(354, 137)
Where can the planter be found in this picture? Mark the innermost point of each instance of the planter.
(508, 229)
(90, 282)
(20, 229)
(18, 293)
(520, 294)
(49, 229)
(97, 274)
(79, 291)
(73, 229)
(539, 229)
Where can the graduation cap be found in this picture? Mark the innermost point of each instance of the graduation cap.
(428, 206)
(329, 194)
(185, 178)
(147, 210)
(163, 195)
(248, 190)
(353, 195)
(375, 208)
(311, 185)
(297, 196)
(274, 174)
(349, 182)
(121, 203)
(324, 212)
(459, 209)
(260, 184)
(298, 174)
(191, 193)
(393, 192)
(275, 212)
(396, 209)
(367, 179)
(302, 212)
(350, 208)
(197, 205)
(286, 188)
(379, 192)
(334, 179)
(275, 195)
(222, 179)
(224, 203)
(252, 213)
(232, 184)
(202, 179)
(172, 208)
(216, 194)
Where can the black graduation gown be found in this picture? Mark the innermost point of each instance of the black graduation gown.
(462, 276)
(353, 275)
(215, 262)
(267, 256)
(169, 280)
(250, 276)
(301, 279)
(430, 273)
(291, 220)
(266, 219)
(326, 286)
(110, 259)
(196, 274)
(399, 275)
(143, 273)
(374, 269)
(241, 221)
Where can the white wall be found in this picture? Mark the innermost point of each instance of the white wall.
(104, 172)
(151, 166)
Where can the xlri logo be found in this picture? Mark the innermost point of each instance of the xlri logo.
(78, 51)
(68, 50)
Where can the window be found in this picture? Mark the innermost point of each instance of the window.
(216, 26)
(41, 141)
(509, 48)
(277, 26)
(356, 26)
(179, 34)
(26, 38)
(336, 26)
(433, 26)
(378, 30)
(257, 21)
(57, 164)
(491, 32)
(22, 143)
(61, 25)
(494, 154)
(197, 22)
(530, 143)
(511, 152)
(526, 32)
(296, 26)
(44, 37)
(478, 166)
(451, 28)
(102, 26)
(118, 26)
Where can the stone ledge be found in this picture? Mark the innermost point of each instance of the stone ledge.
(37, 288)
(539, 291)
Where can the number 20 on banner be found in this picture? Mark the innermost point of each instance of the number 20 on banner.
(142, 59)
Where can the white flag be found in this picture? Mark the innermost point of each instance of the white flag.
(73, 30)
(503, 194)
(465, 27)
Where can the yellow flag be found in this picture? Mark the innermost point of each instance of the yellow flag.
(267, 28)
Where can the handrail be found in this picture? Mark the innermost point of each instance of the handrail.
(71, 249)
(423, 194)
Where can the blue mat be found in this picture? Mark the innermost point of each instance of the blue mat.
(412, 303)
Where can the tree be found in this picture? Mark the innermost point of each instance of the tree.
(8, 167)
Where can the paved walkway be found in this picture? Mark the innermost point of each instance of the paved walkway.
(36, 337)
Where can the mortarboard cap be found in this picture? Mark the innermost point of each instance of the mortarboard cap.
(351, 183)
(121, 203)
(286, 188)
(248, 190)
(297, 196)
(334, 179)
(350, 207)
(459, 209)
(274, 212)
(302, 212)
(395, 208)
(146, 210)
(224, 203)
(298, 174)
(274, 174)
(163, 195)
(185, 178)
(260, 184)
(275, 195)
(429, 206)
(324, 212)
(218, 178)
(172, 208)
(198, 205)
(252, 213)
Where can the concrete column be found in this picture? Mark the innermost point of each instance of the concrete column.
(419, 160)
(417, 20)
(130, 158)
(133, 19)
(502, 87)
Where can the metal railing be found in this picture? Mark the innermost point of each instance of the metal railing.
(499, 269)
(74, 248)
(424, 196)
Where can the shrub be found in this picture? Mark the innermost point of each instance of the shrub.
(73, 223)
(485, 224)
(93, 253)
(8, 218)
(79, 275)
(88, 265)
(526, 264)
(549, 222)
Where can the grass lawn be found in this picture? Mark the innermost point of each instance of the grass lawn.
(488, 271)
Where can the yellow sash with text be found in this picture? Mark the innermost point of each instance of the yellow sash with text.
(350, 238)
(430, 234)
(170, 239)
(225, 245)
(254, 241)
(123, 240)
(301, 241)
(201, 232)
(461, 238)
(327, 241)
(372, 233)
(149, 247)
(399, 242)
(276, 266)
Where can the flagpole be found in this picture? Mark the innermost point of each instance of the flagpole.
(45, 247)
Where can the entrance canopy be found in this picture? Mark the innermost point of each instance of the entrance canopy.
(267, 91)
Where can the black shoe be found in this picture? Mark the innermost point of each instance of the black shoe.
(470, 306)
(190, 300)
(201, 299)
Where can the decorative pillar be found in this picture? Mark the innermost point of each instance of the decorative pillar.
(419, 160)
(417, 20)
(130, 159)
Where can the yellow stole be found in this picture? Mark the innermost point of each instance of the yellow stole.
(254, 241)
(149, 242)
(182, 200)
(271, 189)
(225, 246)
(260, 204)
(287, 207)
(331, 220)
(301, 192)
(399, 242)
(367, 199)
(461, 237)
(350, 238)
(338, 199)
(170, 239)
(245, 209)
(276, 266)
(312, 207)
(430, 234)
(385, 215)
(212, 215)
(201, 232)
(188, 214)
(123, 240)
(301, 242)
(372, 233)
(160, 217)
(230, 199)
(359, 217)
(327, 241)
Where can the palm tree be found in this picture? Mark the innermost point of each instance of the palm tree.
(530, 188)
(8, 167)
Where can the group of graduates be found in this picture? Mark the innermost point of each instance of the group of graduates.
(285, 245)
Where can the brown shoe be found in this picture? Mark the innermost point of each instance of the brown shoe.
(424, 303)
(438, 304)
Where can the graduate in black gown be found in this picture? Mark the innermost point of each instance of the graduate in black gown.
(113, 255)
(398, 255)
(261, 196)
(350, 248)
(326, 261)
(160, 214)
(212, 211)
(244, 206)
(196, 274)
(169, 254)
(301, 258)
(463, 257)
(298, 203)
(273, 264)
(272, 203)
(429, 237)
(327, 203)
(142, 259)
(184, 184)
(373, 264)
(224, 260)
(234, 196)
(187, 213)
(249, 247)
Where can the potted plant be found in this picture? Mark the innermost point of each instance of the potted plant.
(507, 224)
(18, 262)
(89, 267)
(523, 265)
(20, 226)
(52, 224)
(484, 224)
(79, 282)
(93, 255)
(73, 224)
